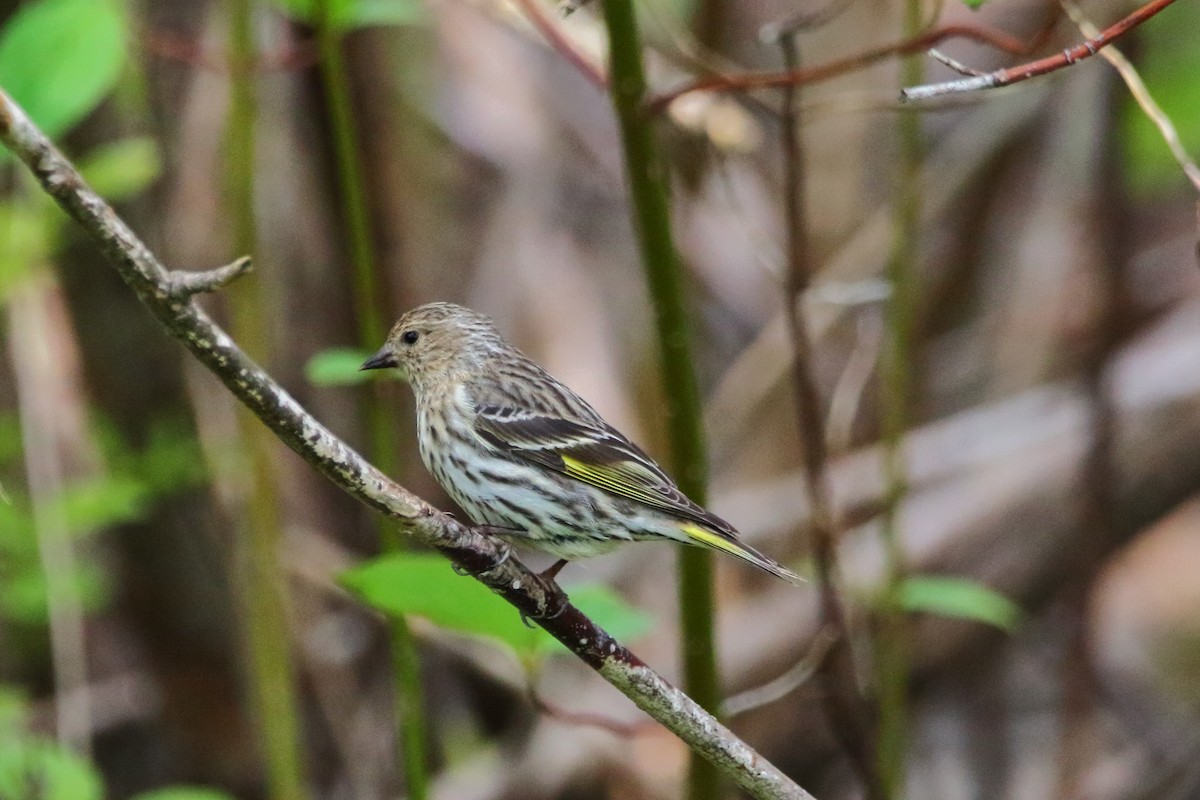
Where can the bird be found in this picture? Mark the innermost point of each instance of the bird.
(524, 455)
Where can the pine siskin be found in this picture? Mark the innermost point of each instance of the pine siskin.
(518, 450)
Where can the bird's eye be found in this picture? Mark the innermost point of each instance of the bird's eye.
(410, 337)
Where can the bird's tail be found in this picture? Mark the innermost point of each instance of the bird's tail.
(697, 534)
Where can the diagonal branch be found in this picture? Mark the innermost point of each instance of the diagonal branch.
(158, 289)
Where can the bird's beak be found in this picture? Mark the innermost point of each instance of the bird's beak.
(383, 359)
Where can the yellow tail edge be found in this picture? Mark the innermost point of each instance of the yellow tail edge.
(715, 541)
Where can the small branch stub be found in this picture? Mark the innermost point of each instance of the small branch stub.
(182, 286)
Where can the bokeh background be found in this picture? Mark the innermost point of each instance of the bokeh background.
(1051, 523)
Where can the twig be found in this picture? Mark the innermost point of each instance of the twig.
(954, 64)
(334, 459)
(1010, 75)
(646, 177)
(1137, 87)
(844, 706)
(561, 44)
(796, 676)
(42, 440)
(587, 719)
(186, 50)
(832, 69)
(183, 285)
(569, 7)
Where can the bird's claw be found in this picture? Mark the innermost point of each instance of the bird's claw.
(505, 554)
(556, 604)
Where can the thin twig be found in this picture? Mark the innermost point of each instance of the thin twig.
(333, 458)
(1137, 87)
(182, 285)
(42, 441)
(1010, 75)
(561, 43)
(186, 50)
(954, 64)
(796, 676)
(588, 719)
(844, 705)
(833, 69)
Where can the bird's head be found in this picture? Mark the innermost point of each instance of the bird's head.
(433, 340)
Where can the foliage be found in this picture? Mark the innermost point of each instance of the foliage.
(1170, 66)
(955, 597)
(36, 767)
(338, 366)
(31, 766)
(349, 14)
(183, 793)
(60, 58)
(426, 586)
(125, 492)
(30, 224)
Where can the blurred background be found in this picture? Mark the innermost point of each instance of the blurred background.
(175, 607)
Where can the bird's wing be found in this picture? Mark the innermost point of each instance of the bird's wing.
(591, 452)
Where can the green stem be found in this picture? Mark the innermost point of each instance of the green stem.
(259, 576)
(652, 221)
(897, 366)
(369, 302)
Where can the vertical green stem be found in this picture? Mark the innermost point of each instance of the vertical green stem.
(369, 304)
(896, 387)
(652, 221)
(259, 579)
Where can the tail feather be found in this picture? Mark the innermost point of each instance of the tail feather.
(726, 543)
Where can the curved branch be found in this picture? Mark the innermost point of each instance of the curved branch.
(158, 289)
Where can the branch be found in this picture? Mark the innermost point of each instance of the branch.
(1022, 72)
(1137, 88)
(832, 69)
(473, 552)
(561, 43)
(847, 711)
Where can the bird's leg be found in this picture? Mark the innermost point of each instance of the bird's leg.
(551, 573)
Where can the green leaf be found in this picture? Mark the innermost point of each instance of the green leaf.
(183, 793)
(25, 599)
(608, 610)
(121, 169)
(974, 5)
(59, 58)
(426, 586)
(347, 14)
(31, 766)
(957, 597)
(99, 502)
(338, 366)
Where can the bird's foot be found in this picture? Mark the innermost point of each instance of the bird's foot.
(556, 598)
(505, 554)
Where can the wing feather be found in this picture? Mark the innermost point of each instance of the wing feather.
(592, 452)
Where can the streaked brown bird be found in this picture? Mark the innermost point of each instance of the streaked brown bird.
(519, 451)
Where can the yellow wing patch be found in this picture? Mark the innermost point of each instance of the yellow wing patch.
(610, 479)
